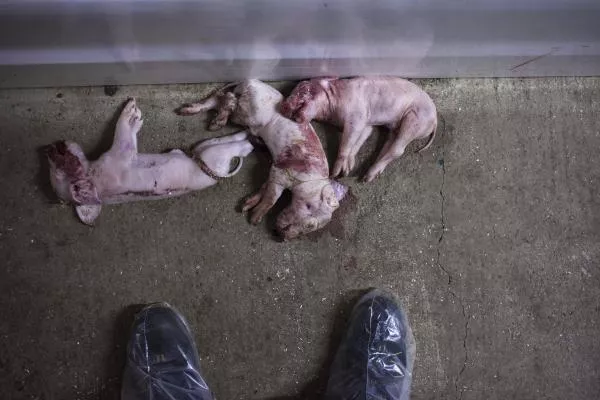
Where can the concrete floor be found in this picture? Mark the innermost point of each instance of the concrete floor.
(491, 239)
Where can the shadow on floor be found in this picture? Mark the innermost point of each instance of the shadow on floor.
(114, 362)
(316, 388)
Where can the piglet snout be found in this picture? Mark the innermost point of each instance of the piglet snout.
(55, 149)
(283, 232)
(339, 189)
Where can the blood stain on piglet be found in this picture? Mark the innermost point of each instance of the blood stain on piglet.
(306, 156)
(64, 160)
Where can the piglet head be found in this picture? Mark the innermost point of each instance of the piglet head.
(68, 173)
(311, 209)
(305, 102)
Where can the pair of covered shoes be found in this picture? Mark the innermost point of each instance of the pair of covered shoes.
(374, 360)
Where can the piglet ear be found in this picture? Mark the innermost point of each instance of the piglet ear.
(88, 213)
(84, 192)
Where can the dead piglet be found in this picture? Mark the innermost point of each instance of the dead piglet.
(122, 174)
(358, 104)
(299, 162)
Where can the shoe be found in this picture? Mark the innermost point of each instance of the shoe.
(376, 356)
(162, 360)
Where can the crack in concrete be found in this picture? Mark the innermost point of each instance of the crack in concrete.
(449, 274)
(442, 217)
(466, 358)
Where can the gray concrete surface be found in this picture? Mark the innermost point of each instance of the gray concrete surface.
(490, 238)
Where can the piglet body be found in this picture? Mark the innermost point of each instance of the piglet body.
(123, 175)
(299, 162)
(358, 104)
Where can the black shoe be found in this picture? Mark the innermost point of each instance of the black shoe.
(162, 360)
(376, 356)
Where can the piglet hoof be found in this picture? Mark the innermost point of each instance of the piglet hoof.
(216, 125)
(186, 109)
(337, 170)
(251, 202)
(342, 167)
(135, 120)
(256, 218)
(371, 176)
(259, 212)
(131, 117)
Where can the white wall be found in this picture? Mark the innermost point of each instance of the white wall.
(45, 43)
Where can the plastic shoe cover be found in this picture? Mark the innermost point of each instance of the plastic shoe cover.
(162, 360)
(376, 356)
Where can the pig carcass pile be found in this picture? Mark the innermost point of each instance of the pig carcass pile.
(299, 163)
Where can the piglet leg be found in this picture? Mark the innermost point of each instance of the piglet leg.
(261, 202)
(227, 104)
(219, 156)
(237, 137)
(194, 108)
(411, 128)
(129, 124)
(353, 130)
(364, 135)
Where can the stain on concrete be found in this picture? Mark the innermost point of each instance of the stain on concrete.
(111, 90)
